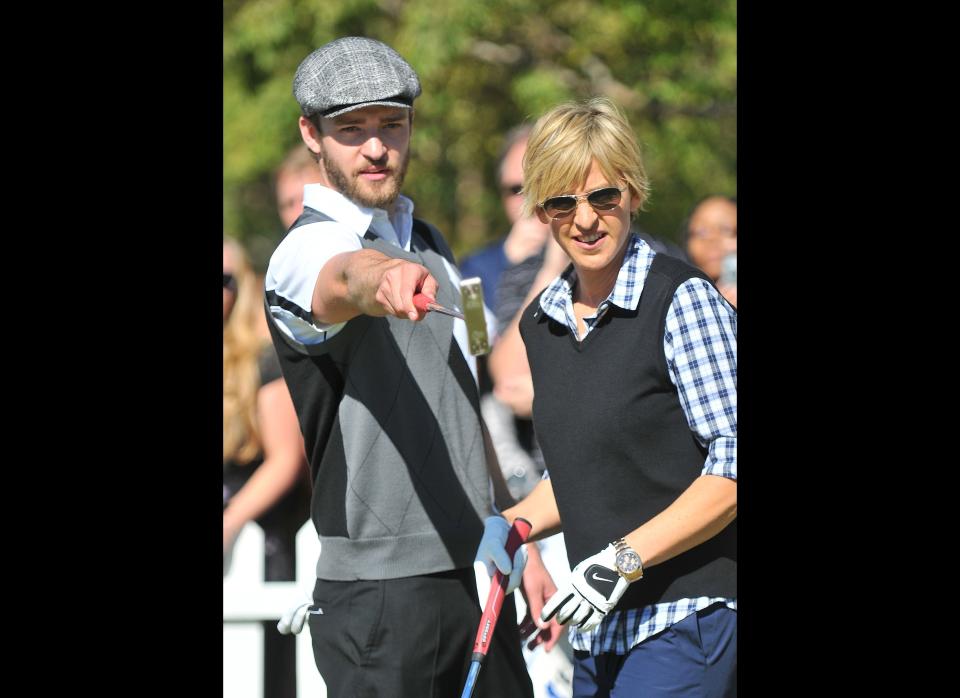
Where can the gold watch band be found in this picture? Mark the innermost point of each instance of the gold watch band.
(620, 545)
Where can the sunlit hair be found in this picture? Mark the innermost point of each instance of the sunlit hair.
(241, 375)
(567, 139)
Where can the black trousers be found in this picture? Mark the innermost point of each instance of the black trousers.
(412, 638)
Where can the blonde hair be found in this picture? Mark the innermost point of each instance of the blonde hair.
(241, 374)
(567, 139)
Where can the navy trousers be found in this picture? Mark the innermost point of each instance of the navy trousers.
(695, 658)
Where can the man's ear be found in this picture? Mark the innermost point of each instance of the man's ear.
(310, 134)
(542, 215)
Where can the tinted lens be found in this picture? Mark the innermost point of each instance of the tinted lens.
(604, 199)
(559, 205)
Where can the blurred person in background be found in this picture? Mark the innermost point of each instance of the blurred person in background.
(527, 234)
(298, 169)
(263, 456)
(512, 436)
(710, 233)
(264, 464)
(633, 358)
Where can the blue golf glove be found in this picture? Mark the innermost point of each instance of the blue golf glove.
(492, 552)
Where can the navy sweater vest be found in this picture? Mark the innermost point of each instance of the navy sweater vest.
(615, 439)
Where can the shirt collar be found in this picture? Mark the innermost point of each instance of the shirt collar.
(626, 291)
(360, 218)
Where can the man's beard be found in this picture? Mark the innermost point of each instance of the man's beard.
(384, 192)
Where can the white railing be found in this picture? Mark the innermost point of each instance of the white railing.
(248, 600)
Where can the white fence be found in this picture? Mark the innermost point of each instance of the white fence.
(248, 601)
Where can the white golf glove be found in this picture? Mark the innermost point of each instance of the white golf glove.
(493, 554)
(294, 617)
(590, 594)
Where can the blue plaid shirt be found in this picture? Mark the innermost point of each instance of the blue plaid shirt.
(700, 344)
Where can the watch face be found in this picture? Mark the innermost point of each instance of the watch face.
(628, 562)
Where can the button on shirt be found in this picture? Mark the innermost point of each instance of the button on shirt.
(297, 261)
(700, 345)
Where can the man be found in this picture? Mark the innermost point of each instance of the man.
(387, 401)
(297, 170)
(527, 235)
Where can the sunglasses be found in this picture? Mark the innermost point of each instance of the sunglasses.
(229, 281)
(560, 207)
(511, 189)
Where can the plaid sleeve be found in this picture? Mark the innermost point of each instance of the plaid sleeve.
(700, 345)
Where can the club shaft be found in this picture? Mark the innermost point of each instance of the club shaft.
(423, 303)
(446, 311)
(471, 679)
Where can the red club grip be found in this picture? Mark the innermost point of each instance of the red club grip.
(491, 611)
(422, 302)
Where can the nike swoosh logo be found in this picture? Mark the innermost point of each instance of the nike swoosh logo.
(318, 612)
(602, 579)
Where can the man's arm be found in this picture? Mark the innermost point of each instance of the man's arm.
(508, 365)
(367, 282)
(501, 494)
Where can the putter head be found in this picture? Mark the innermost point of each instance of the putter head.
(471, 300)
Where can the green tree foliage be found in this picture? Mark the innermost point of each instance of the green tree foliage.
(484, 67)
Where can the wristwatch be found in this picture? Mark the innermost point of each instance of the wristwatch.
(629, 564)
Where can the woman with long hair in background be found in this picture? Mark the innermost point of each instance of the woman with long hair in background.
(263, 457)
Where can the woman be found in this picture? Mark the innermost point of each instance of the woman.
(263, 457)
(633, 358)
(710, 233)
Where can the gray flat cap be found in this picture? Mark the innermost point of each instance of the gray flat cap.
(351, 73)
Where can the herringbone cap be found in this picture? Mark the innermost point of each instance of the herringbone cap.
(353, 72)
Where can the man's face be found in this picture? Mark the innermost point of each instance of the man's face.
(365, 152)
(290, 193)
(511, 177)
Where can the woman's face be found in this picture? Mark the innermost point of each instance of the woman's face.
(594, 239)
(229, 290)
(712, 234)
